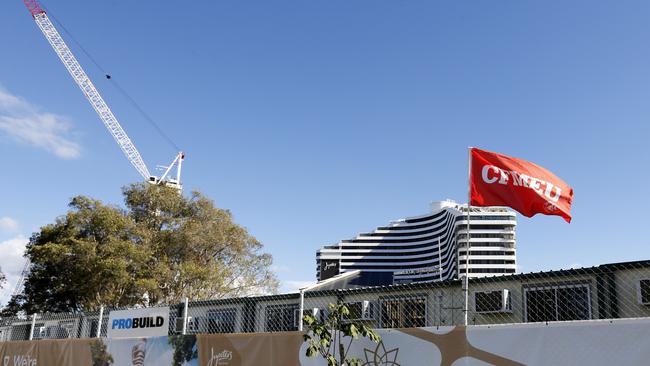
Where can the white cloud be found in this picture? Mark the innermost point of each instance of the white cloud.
(11, 264)
(8, 224)
(280, 268)
(24, 122)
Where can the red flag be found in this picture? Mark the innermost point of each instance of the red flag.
(501, 180)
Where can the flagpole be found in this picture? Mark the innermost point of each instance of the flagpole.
(467, 246)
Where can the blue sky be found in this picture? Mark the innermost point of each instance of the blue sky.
(313, 121)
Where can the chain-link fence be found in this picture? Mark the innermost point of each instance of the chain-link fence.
(609, 291)
(605, 292)
(49, 326)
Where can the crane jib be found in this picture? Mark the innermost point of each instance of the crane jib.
(34, 7)
(97, 102)
(91, 93)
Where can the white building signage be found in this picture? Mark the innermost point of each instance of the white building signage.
(145, 322)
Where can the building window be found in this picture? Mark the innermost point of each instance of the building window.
(61, 331)
(21, 332)
(491, 270)
(221, 321)
(39, 331)
(557, 303)
(403, 313)
(644, 292)
(281, 318)
(4, 334)
(492, 301)
(93, 328)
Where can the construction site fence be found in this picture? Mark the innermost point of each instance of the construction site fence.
(614, 291)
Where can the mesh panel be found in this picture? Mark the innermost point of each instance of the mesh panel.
(15, 329)
(58, 326)
(605, 292)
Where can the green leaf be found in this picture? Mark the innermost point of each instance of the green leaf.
(353, 331)
(311, 351)
(323, 334)
(353, 362)
(309, 319)
(331, 361)
(344, 310)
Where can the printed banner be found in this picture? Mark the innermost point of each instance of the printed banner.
(616, 342)
(146, 322)
(49, 352)
(274, 349)
(620, 342)
(18, 353)
(152, 351)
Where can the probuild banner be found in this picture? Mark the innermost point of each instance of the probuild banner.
(619, 342)
(145, 322)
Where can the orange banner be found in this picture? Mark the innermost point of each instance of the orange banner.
(277, 349)
(49, 352)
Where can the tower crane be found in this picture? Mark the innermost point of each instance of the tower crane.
(105, 114)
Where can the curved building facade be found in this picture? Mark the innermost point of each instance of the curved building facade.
(430, 247)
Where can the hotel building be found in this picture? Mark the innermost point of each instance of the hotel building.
(429, 247)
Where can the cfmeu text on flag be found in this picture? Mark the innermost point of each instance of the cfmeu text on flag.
(501, 180)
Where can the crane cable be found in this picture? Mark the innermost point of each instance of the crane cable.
(117, 86)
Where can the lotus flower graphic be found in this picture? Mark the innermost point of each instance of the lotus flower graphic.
(381, 357)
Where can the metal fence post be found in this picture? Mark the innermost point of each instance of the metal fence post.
(187, 300)
(301, 308)
(101, 319)
(31, 334)
(465, 285)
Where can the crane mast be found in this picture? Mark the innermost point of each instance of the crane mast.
(94, 97)
(18, 288)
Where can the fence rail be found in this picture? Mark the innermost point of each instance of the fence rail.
(609, 291)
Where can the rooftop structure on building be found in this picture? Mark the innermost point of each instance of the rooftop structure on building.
(428, 247)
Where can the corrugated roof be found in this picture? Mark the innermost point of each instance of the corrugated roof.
(603, 268)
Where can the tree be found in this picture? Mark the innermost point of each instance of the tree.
(223, 259)
(185, 348)
(160, 248)
(99, 354)
(332, 337)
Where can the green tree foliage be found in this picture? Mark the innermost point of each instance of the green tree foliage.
(160, 248)
(332, 337)
(14, 306)
(185, 349)
(100, 355)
